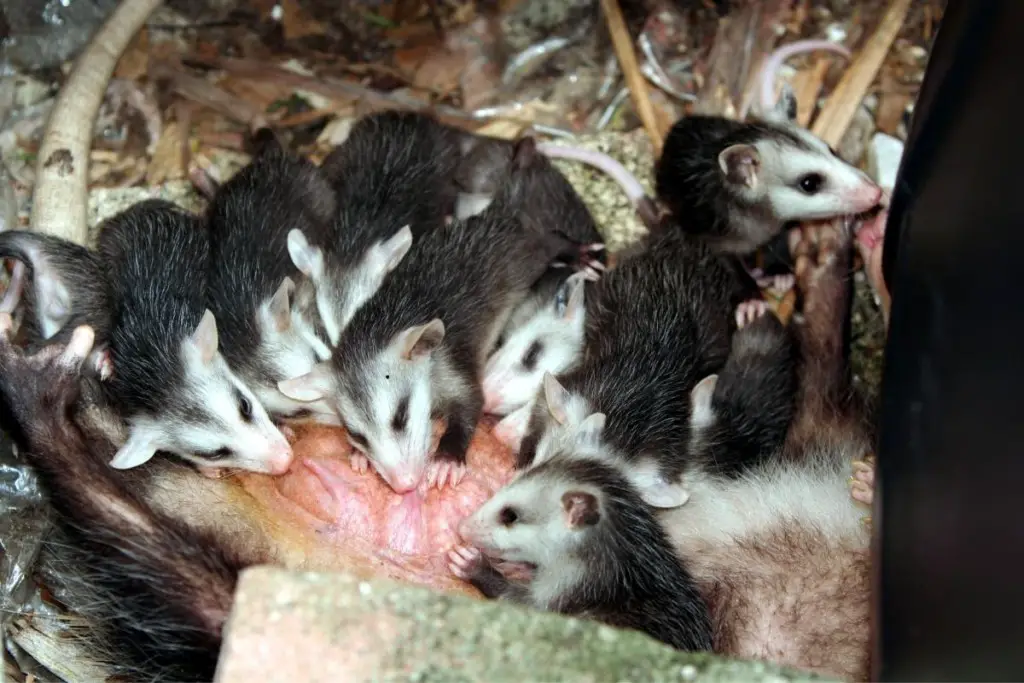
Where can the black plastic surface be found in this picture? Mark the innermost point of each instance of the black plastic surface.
(950, 500)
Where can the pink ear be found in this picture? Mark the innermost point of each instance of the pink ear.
(580, 509)
(739, 163)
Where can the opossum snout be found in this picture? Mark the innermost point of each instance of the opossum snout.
(865, 197)
(402, 480)
(280, 457)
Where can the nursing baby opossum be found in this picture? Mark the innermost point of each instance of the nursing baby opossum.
(169, 381)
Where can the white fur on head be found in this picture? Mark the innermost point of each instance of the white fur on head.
(809, 182)
(550, 341)
(531, 520)
(389, 415)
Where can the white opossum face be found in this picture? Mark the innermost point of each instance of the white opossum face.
(215, 421)
(537, 518)
(549, 341)
(340, 293)
(385, 402)
(799, 177)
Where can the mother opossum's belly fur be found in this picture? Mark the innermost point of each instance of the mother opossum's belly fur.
(325, 515)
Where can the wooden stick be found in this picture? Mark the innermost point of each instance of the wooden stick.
(60, 201)
(631, 71)
(808, 86)
(838, 112)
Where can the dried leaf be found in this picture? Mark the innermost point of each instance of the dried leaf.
(134, 63)
(440, 72)
(168, 162)
(296, 23)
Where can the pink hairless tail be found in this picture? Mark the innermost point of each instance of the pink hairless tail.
(770, 70)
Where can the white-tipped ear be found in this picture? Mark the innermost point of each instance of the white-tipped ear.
(421, 340)
(205, 339)
(313, 386)
(389, 253)
(555, 396)
(653, 489)
(307, 258)
(280, 305)
(588, 434)
(701, 412)
(137, 450)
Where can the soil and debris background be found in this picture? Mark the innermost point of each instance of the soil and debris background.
(203, 73)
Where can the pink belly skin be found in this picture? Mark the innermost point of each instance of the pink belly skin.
(324, 515)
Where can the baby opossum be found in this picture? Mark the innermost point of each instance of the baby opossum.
(663, 321)
(66, 287)
(416, 350)
(736, 185)
(771, 548)
(170, 382)
(543, 334)
(394, 182)
(136, 571)
(264, 336)
(572, 535)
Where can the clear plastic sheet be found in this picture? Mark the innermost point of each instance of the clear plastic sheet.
(24, 520)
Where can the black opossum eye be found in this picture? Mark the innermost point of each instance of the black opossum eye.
(811, 183)
(401, 415)
(508, 516)
(244, 408)
(219, 454)
(530, 359)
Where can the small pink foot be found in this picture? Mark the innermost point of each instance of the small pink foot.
(104, 365)
(465, 561)
(749, 311)
(442, 472)
(590, 265)
(359, 462)
(514, 571)
(213, 472)
(287, 432)
(869, 241)
(862, 483)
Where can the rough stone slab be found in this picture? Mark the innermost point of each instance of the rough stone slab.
(318, 628)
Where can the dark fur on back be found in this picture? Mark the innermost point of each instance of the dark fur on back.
(633, 578)
(155, 593)
(78, 269)
(395, 169)
(458, 274)
(690, 181)
(656, 325)
(754, 398)
(157, 259)
(248, 221)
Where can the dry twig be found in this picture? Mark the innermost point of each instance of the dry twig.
(840, 108)
(631, 71)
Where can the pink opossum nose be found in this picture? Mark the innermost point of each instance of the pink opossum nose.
(491, 400)
(280, 460)
(404, 482)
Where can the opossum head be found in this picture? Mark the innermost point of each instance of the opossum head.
(537, 340)
(213, 420)
(567, 520)
(289, 347)
(384, 398)
(796, 176)
(340, 289)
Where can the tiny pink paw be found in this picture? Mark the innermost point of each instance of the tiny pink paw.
(442, 472)
(514, 571)
(104, 365)
(465, 561)
(359, 462)
(749, 311)
(777, 284)
(862, 483)
(287, 432)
